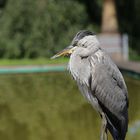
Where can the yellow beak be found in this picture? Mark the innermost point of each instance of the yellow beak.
(66, 52)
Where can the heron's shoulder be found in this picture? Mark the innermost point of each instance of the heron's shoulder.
(100, 57)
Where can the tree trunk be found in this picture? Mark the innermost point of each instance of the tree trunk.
(109, 18)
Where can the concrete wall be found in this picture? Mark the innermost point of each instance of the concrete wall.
(116, 45)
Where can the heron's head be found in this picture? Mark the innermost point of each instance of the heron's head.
(74, 44)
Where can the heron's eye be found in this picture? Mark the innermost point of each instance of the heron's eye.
(82, 43)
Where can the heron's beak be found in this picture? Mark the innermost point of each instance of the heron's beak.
(66, 52)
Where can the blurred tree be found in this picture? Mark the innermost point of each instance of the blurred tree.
(129, 20)
(94, 10)
(15, 27)
(3, 3)
(39, 28)
(109, 17)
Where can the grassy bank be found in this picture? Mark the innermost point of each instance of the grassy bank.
(133, 55)
(39, 61)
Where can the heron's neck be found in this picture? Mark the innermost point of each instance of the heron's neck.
(79, 68)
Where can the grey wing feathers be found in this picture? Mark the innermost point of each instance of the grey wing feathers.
(108, 89)
(108, 86)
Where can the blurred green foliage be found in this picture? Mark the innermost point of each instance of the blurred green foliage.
(38, 61)
(39, 28)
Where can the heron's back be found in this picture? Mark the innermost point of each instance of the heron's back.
(98, 77)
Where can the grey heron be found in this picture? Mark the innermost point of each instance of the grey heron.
(100, 82)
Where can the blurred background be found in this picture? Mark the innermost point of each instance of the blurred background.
(38, 98)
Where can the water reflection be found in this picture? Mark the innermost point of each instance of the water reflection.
(50, 107)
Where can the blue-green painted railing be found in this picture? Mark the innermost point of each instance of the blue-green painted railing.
(130, 73)
(59, 68)
(38, 69)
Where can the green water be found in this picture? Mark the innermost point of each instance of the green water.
(50, 107)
